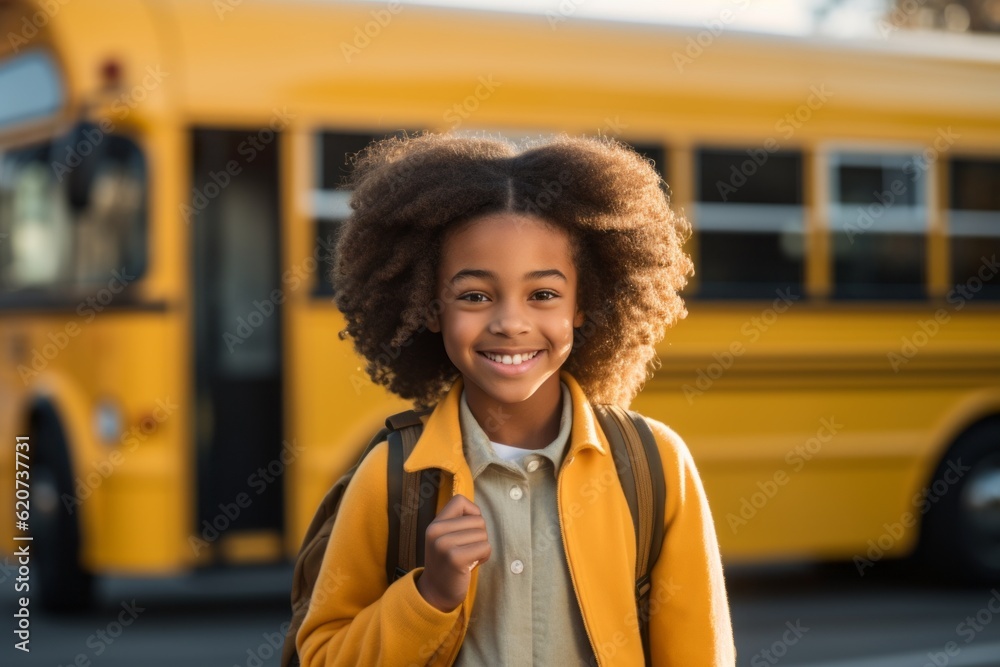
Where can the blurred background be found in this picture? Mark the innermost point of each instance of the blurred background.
(175, 401)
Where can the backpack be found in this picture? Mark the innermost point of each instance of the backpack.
(637, 461)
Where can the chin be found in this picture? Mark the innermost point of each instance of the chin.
(509, 395)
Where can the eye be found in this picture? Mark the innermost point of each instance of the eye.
(541, 295)
(473, 297)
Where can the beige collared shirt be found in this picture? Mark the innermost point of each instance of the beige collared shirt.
(526, 612)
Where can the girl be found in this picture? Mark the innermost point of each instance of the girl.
(510, 289)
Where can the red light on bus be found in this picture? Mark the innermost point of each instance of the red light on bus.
(111, 73)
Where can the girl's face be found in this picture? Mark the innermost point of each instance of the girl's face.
(508, 285)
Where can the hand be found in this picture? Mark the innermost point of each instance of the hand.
(455, 543)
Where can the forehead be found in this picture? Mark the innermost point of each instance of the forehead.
(496, 230)
(505, 241)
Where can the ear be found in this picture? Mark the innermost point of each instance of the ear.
(433, 321)
(578, 319)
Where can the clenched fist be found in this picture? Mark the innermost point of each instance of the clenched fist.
(455, 543)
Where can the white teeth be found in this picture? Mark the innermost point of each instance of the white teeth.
(510, 360)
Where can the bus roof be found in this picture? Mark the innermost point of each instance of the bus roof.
(242, 58)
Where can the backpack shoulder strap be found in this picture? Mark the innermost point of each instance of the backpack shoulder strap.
(401, 432)
(412, 496)
(640, 471)
(310, 558)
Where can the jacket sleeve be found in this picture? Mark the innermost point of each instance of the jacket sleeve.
(690, 623)
(354, 618)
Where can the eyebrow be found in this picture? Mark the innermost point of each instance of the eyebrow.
(490, 275)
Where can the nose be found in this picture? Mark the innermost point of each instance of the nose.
(509, 320)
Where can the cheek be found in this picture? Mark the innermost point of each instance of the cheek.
(559, 328)
(461, 329)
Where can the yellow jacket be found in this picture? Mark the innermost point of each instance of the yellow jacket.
(356, 619)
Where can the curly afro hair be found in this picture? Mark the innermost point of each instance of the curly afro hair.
(409, 192)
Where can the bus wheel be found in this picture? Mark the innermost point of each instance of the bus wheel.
(63, 585)
(961, 535)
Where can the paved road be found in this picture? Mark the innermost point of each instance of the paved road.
(790, 616)
(828, 616)
(212, 619)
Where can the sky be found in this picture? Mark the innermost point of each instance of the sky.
(847, 18)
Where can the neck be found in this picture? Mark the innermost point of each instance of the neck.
(530, 424)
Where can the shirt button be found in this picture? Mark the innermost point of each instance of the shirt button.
(516, 492)
(517, 567)
(533, 465)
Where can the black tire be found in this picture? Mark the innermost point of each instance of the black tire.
(62, 583)
(961, 530)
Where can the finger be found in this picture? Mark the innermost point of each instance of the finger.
(460, 539)
(459, 505)
(471, 555)
(444, 526)
(469, 507)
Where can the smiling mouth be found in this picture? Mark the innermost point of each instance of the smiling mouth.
(511, 360)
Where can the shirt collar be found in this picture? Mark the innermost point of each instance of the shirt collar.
(440, 445)
(480, 451)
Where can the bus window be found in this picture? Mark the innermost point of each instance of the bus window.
(879, 224)
(331, 198)
(69, 226)
(974, 220)
(34, 222)
(30, 87)
(749, 220)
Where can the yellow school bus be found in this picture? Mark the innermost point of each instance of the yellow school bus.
(171, 188)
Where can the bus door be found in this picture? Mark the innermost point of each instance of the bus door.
(238, 336)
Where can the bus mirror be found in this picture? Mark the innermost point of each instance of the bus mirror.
(83, 158)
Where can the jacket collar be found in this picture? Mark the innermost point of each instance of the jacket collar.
(440, 444)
